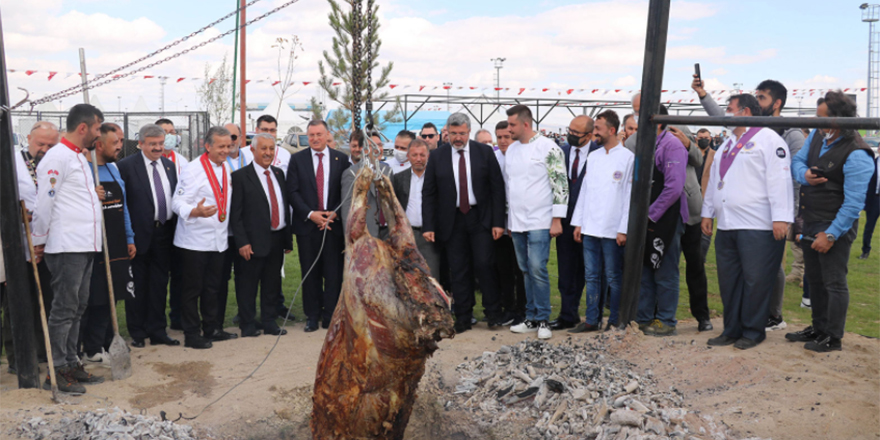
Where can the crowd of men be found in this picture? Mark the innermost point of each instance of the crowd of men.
(483, 217)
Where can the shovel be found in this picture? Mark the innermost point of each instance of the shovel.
(56, 395)
(120, 359)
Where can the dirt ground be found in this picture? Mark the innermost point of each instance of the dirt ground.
(777, 390)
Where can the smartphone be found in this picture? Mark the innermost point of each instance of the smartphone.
(819, 172)
(697, 72)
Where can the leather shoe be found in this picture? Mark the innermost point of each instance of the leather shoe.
(276, 331)
(864, 256)
(325, 324)
(562, 324)
(197, 342)
(745, 344)
(705, 326)
(138, 343)
(250, 333)
(311, 326)
(462, 325)
(721, 341)
(164, 340)
(583, 327)
(221, 335)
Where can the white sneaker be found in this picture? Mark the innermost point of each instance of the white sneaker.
(526, 327)
(99, 359)
(544, 331)
(806, 304)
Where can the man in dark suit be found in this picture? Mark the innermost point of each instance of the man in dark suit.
(463, 205)
(261, 227)
(151, 181)
(408, 185)
(314, 188)
(569, 253)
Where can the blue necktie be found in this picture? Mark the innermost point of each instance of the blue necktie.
(160, 195)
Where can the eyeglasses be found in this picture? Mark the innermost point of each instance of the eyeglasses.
(428, 136)
(576, 133)
(234, 137)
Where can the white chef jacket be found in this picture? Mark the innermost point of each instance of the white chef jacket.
(68, 213)
(500, 157)
(396, 166)
(205, 234)
(757, 188)
(602, 208)
(179, 161)
(414, 205)
(466, 150)
(27, 190)
(531, 202)
(166, 187)
(282, 158)
(261, 176)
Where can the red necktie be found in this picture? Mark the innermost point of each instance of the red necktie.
(319, 180)
(464, 204)
(575, 167)
(273, 200)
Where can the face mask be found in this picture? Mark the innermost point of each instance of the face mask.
(703, 143)
(171, 141)
(829, 135)
(400, 156)
(573, 140)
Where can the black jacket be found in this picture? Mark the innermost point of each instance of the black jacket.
(575, 187)
(139, 197)
(302, 190)
(440, 193)
(250, 217)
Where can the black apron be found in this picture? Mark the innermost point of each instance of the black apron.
(117, 244)
(661, 233)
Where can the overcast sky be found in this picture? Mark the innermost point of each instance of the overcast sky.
(548, 44)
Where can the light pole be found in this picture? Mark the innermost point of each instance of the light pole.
(870, 15)
(447, 86)
(499, 64)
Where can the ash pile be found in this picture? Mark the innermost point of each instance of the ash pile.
(574, 390)
(114, 424)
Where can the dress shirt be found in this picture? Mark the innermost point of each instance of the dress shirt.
(237, 163)
(166, 186)
(179, 161)
(326, 161)
(757, 189)
(414, 205)
(857, 171)
(110, 173)
(206, 234)
(27, 189)
(282, 158)
(573, 152)
(396, 166)
(536, 183)
(466, 151)
(68, 213)
(602, 208)
(500, 157)
(261, 176)
(670, 157)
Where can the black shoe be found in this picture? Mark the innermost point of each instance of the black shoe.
(462, 325)
(824, 344)
(806, 335)
(311, 326)
(610, 325)
(220, 335)
(507, 319)
(66, 383)
(745, 344)
(283, 313)
(138, 343)
(250, 333)
(197, 342)
(864, 255)
(705, 326)
(721, 341)
(517, 320)
(164, 340)
(583, 327)
(79, 373)
(325, 324)
(562, 324)
(275, 331)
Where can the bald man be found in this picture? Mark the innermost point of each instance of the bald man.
(569, 253)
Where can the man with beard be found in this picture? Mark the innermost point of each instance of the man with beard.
(67, 233)
(96, 333)
(408, 186)
(771, 96)
(375, 219)
(430, 135)
(511, 282)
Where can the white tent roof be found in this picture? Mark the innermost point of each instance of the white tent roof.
(141, 105)
(46, 107)
(93, 99)
(286, 116)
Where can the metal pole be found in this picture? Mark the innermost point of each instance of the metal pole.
(235, 61)
(769, 121)
(242, 95)
(870, 56)
(652, 81)
(82, 73)
(162, 80)
(18, 291)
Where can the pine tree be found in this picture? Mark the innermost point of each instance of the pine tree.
(337, 67)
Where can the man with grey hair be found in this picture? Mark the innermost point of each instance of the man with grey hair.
(375, 225)
(463, 208)
(483, 136)
(202, 201)
(150, 179)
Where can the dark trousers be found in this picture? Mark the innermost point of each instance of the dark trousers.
(470, 250)
(201, 286)
(570, 260)
(826, 273)
(263, 273)
(748, 261)
(511, 283)
(321, 288)
(145, 313)
(231, 259)
(175, 289)
(872, 210)
(695, 273)
(95, 329)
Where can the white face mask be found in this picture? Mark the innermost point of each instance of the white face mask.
(400, 156)
(829, 135)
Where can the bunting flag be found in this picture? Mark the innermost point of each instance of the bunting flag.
(52, 75)
(180, 79)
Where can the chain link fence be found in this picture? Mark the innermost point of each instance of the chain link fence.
(191, 126)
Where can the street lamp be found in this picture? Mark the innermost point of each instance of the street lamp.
(447, 86)
(870, 15)
(499, 64)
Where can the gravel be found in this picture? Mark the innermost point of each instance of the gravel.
(113, 424)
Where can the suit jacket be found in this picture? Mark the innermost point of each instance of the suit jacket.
(574, 188)
(400, 182)
(302, 190)
(250, 217)
(139, 197)
(348, 178)
(440, 192)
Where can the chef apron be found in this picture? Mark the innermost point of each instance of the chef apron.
(117, 245)
(661, 233)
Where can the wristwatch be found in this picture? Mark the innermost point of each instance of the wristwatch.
(830, 237)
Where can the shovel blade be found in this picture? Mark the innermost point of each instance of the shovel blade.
(120, 359)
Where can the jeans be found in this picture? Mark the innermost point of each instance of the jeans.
(829, 292)
(659, 290)
(599, 252)
(532, 254)
(71, 278)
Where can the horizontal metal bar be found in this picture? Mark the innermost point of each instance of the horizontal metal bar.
(769, 121)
